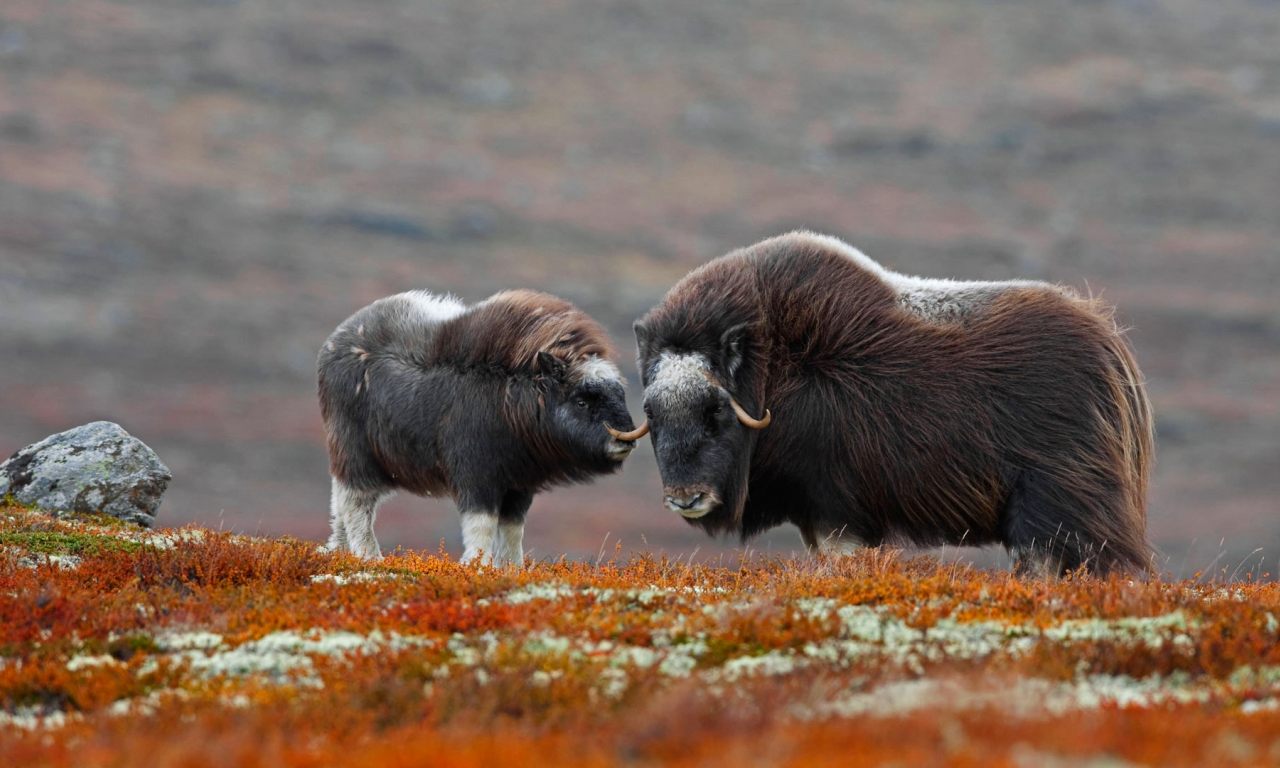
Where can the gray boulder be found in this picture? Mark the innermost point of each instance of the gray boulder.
(97, 468)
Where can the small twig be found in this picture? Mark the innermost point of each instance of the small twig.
(600, 554)
(1242, 562)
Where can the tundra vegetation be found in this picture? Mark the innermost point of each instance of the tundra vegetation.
(198, 647)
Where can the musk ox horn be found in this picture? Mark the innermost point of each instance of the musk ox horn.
(742, 415)
(747, 420)
(627, 437)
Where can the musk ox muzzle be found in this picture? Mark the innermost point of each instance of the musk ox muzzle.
(693, 502)
(619, 450)
(698, 433)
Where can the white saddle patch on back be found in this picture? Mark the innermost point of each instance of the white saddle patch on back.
(930, 298)
(944, 299)
(432, 308)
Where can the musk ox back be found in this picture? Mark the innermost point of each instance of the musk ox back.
(488, 404)
(899, 409)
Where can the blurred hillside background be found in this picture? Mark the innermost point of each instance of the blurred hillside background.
(193, 193)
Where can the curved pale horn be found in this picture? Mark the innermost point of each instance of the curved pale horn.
(747, 420)
(627, 437)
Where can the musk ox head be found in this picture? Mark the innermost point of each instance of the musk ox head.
(702, 433)
(587, 411)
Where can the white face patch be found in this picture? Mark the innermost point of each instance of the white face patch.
(432, 308)
(596, 368)
(678, 378)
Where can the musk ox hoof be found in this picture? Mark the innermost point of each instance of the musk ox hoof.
(94, 469)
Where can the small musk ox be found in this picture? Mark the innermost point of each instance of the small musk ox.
(489, 404)
(900, 409)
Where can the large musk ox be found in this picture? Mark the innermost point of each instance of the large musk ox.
(488, 404)
(899, 409)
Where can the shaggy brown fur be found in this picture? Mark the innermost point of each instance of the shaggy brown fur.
(1014, 413)
(511, 328)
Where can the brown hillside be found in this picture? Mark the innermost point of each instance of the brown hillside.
(193, 194)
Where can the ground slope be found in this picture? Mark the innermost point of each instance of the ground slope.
(202, 648)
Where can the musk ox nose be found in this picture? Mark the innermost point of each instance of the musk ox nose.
(685, 502)
(689, 503)
(621, 449)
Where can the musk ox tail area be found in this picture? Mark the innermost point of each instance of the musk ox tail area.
(369, 350)
(1085, 505)
(1134, 439)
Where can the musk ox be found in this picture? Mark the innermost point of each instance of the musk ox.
(488, 404)
(899, 409)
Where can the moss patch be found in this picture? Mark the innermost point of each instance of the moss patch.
(99, 519)
(56, 543)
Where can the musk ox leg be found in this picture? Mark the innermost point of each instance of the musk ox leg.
(515, 506)
(479, 534)
(835, 543)
(1037, 564)
(810, 541)
(337, 520)
(510, 542)
(352, 512)
(1050, 532)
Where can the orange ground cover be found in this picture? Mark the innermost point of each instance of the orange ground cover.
(197, 648)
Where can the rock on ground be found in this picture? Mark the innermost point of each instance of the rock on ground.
(97, 468)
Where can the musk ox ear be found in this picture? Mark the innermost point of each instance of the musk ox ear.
(733, 346)
(644, 342)
(552, 367)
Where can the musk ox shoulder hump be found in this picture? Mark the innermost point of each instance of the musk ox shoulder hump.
(934, 299)
(510, 329)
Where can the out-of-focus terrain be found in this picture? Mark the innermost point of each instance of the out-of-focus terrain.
(194, 193)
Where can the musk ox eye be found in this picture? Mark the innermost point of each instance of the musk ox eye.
(582, 403)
